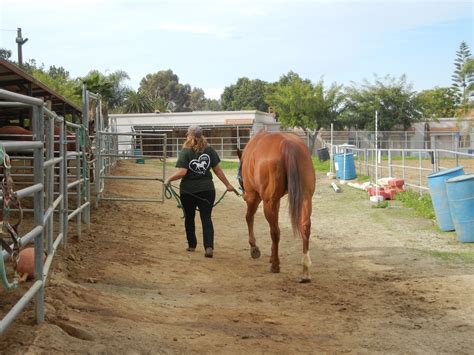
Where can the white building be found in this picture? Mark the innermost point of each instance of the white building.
(225, 130)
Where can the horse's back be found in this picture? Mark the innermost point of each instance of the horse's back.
(266, 167)
(268, 148)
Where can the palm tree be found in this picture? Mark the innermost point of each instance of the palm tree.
(111, 87)
(137, 102)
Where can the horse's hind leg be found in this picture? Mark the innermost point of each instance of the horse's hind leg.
(271, 209)
(305, 228)
(253, 200)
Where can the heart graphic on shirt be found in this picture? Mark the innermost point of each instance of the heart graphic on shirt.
(200, 165)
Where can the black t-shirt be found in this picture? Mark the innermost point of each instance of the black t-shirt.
(199, 164)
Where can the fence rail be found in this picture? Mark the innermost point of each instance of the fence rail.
(48, 182)
(113, 146)
(412, 165)
(415, 139)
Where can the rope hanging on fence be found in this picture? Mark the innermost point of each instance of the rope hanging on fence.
(10, 200)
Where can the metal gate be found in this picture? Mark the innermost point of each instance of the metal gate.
(125, 148)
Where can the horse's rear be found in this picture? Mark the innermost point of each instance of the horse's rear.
(274, 164)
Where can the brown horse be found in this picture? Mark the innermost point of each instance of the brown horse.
(15, 133)
(18, 133)
(272, 165)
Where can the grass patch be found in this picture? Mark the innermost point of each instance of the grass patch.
(465, 256)
(382, 204)
(321, 166)
(363, 178)
(420, 203)
(224, 164)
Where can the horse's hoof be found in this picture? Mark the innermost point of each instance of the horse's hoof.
(275, 269)
(255, 252)
(305, 280)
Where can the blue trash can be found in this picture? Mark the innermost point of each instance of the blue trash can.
(138, 152)
(437, 185)
(460, 192)
(349, 172)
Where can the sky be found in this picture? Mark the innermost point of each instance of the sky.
(211, 43)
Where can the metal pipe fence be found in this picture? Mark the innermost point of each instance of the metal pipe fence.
(411, 165)
(461, 140)
(47, 181)
(226, 147)
(139, 146)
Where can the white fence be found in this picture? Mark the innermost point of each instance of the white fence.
(412, 165)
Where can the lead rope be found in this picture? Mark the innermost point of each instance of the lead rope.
(170, 192)
(10, 200)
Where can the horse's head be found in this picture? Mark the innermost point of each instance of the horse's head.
(239, 171)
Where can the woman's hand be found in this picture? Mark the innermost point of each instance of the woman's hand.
(230, 188)
(180, 173)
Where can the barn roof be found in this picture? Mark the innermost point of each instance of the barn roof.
(14, 79)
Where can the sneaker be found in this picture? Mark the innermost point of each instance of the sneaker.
(208, 253)
(190, 249)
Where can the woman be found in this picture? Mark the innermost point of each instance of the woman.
(197, 188)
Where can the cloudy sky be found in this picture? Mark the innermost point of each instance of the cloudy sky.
(211, 43)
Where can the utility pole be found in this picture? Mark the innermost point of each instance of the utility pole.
(20, 41)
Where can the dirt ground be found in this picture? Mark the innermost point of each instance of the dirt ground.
(129, 286)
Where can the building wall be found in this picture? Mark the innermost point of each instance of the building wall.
(225, 130)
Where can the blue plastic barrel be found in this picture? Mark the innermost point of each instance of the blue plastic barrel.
(460, 192)
(437, 185)
(349, 172)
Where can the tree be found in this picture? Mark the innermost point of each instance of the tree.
(119, 89)
(197, 100)
(465, 109)
(227, 97)
(468, 71)
(246, 94)
(212, 105)
(111, 87)
(392, 98)
(299, 103)
(59, 80)
(160, 105)
(58, 73)
(5, 54)
(437, 103)
(182, 101)
(461, 78)
(165, 85)
(137, 102)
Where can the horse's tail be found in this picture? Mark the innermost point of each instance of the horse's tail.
(294, 185)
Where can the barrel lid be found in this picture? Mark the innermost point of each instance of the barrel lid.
(341, 154)
(461, 178)
(444, 172)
